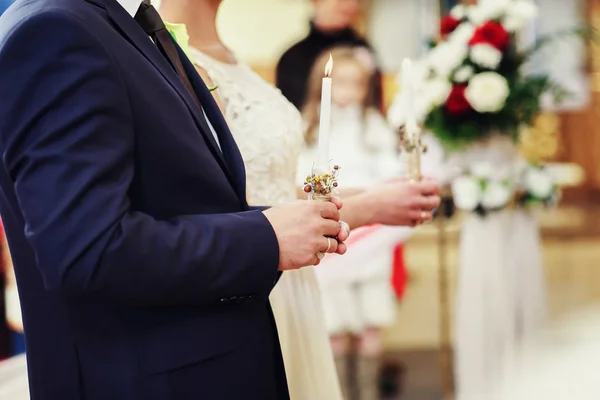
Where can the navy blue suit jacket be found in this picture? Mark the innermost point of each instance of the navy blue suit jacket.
(143, 274)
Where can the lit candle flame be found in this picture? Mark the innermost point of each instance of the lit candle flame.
(329, 66)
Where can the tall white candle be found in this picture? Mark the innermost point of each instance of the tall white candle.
(410, 120)
(325, 118)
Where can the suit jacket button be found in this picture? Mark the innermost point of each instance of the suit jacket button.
(243, 299)
(224, 301)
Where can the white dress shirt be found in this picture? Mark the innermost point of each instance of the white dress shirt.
(131, 6)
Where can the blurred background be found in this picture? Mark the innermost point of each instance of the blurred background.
(571, 232)
(569, 135)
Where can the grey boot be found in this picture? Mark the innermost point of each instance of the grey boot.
(367, 378)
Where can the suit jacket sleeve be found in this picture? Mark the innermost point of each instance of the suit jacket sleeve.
(68, 146)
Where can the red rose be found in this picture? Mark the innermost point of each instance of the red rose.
(492, 33)
(457, 103)
(448, 24)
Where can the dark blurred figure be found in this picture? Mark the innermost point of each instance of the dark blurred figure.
(331, 26)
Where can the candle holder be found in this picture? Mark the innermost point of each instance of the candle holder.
(414, 147)
(320, 185)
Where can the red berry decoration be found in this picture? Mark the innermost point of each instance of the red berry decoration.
(307, 189)
(335, 184)
(336, 167)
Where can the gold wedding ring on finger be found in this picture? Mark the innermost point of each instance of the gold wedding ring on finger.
(321, 254)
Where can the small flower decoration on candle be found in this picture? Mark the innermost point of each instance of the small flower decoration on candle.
(322, 185)
(408, 145)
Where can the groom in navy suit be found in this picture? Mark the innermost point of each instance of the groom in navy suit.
(143, 273)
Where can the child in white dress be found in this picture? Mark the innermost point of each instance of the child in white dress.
(357, 296)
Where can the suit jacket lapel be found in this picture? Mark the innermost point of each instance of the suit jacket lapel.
(138, 38)
(228, 146)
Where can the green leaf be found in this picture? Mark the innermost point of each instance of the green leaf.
(213, 88)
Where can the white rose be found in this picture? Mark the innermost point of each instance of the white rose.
(466, 192)
(463, 74)
(486, 56)
(539, 183)
(446, 57)
(487, 92)
(496, 195)
(519, 14)
(475, 16)
(493, 9)
(482, 170)
(459, 11)
(462, 34)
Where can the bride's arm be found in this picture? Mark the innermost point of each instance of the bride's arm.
(359, 210)
(397, 202)
(360, 207)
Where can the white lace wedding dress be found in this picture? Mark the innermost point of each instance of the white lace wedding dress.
(269, 132)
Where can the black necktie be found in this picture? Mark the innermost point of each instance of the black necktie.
(153, 25)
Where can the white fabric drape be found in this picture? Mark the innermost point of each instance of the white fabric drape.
(501, 298)
(500, 295)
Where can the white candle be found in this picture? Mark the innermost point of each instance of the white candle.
(410, 121)
(325, 118)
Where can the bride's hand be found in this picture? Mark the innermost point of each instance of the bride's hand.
(401, 202)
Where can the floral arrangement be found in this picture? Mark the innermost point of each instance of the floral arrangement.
(485, 189)
(471, 82)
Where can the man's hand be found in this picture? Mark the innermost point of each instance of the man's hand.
(400, 202)
(304, 228)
